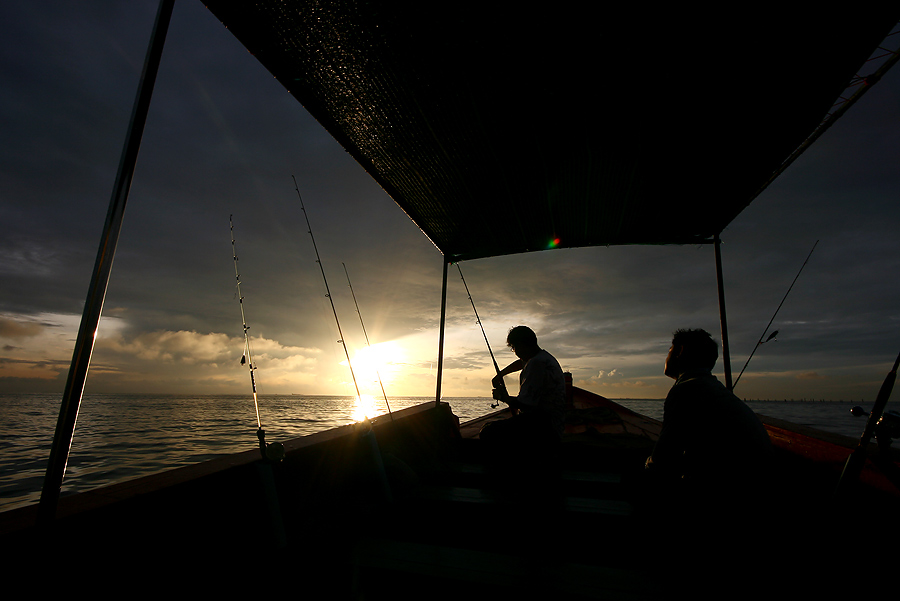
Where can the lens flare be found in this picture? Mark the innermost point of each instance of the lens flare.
(364, 408)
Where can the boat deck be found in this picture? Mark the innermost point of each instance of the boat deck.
(568, 526)
(413, 506)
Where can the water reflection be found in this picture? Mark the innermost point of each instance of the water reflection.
(120, 437)
(364, 408)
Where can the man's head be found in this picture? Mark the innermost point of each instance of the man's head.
(691, 349)
(523, 341)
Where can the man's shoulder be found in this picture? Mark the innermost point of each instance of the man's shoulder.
(696, 384)
(703, 387)
(697, 379)
(542, 356)
(547, 358)
(546, 355)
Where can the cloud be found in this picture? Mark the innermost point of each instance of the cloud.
(185, 347)
(30, 259)
(15, 328)
(653, 388)
(810, 375)
(36, 369)
(190, 361)
(171, 324)
(196, 349)
(37, 346)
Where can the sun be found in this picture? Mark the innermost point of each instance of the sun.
(379, 362)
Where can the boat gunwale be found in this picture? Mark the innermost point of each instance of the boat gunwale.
(803, 442)
(20, 518)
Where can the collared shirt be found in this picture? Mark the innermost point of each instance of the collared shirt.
(542, 387)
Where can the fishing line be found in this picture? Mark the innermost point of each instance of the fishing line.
(367, 432)
(478, 321)
(368, 344)
(246, 358)
(327, 291)
(277, 451)
(761, 341)
(270, 452)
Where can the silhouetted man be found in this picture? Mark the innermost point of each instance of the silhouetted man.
(707, 480)
(541, 400)
(711, 445)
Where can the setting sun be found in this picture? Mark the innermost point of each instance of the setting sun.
(377, 362)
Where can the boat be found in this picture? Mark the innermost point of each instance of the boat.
(406, 505)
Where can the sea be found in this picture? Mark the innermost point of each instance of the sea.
(119, 437)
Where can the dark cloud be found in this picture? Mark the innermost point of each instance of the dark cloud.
(223, 137)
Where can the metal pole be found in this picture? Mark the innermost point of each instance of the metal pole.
(440, 368)
(726, 354)
(93, 306)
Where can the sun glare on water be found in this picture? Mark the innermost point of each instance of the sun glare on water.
(364, 408)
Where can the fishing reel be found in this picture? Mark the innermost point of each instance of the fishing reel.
(271, 451)
(274, 452)
(500, 395)
(887, 428)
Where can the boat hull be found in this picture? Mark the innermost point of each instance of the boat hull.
(410, 500)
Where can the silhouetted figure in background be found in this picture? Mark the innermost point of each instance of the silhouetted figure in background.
(711, 443)
(541, 401)
(707, 474)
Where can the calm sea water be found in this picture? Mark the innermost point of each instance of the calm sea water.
(831, 416)
(120, 437)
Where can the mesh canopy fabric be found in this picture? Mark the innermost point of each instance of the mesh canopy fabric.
(508, 130)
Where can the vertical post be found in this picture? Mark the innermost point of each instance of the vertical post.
(726, 354)
(93, 306)
(440, 369)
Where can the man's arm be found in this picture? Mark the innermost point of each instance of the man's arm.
(500, 394)
(497, 381)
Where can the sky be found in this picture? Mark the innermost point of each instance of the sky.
(224, 138)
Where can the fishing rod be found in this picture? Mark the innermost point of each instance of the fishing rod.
(483, 333)
(271, 453)
(854, 464)
(368, 344)
(775, 333)
(367, 433)
(247, 358)
(327, 291)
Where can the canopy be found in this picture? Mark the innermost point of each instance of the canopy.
(506, 129)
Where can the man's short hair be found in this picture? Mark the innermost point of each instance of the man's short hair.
(520, 336)
(700, 350)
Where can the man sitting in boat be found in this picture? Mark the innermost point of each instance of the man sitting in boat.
(711, 445)
(541, 400)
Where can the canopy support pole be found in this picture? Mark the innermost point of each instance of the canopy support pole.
(440, 366)
(720, 284)
(93, 306)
